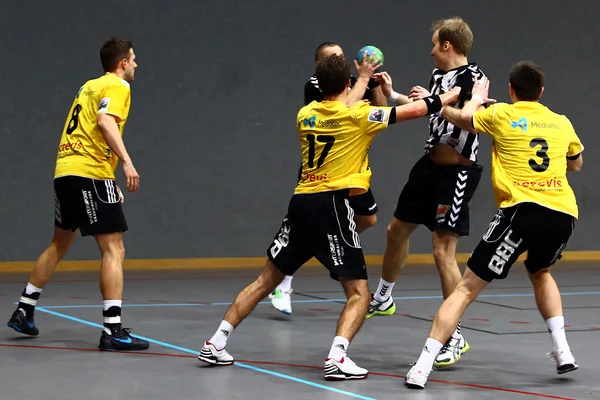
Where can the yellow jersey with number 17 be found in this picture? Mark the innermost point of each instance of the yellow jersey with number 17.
(335, 141)
(82, 150)
(530, 146)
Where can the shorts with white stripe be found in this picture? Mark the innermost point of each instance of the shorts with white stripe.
(542, 232)
(90, 205)
(438, 196)
(319, 225)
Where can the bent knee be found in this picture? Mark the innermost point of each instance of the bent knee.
(542, 273)
(111, 246)
(398, 230)
(444, 248)
(466, 291)
(364, 222)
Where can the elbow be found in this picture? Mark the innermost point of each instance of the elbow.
(574, 167)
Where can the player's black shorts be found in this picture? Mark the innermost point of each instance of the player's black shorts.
(91, 205)
(364, 204)
(438, 196)
(540, 231)
(319, 225)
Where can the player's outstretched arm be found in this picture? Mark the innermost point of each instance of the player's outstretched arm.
(463, 118)
(365, 71)
(426, 106)
(109, 128)
(385, 82)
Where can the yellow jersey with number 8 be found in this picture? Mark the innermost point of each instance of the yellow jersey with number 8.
(529, 154)
(82, 150)
(335, 141)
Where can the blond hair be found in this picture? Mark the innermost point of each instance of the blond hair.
(456, 31)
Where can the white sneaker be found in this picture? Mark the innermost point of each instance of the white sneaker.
(282, 300)
(343, 369)
(565, 362)
(451, 352)
(209, 354)
(416, 379)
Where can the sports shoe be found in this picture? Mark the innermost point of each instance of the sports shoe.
(416, 379)
(20, 323)
(343, 370)
(282, 300)
(451, 352)
(387, 307)
(210, 355)
(565, 362)
(121, 340)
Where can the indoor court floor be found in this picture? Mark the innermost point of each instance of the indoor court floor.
(279, 355)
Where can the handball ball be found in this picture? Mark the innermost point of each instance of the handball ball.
(370, 50)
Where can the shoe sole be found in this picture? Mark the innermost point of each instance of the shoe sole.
(385, 313)
(449, 363)
(17, 329)
(563, 369)
(344, 377)
(103, 348)
(213, 362)
(413, 385)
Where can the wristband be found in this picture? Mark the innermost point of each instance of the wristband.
(394, 96)
(434, 104)
(478, 97)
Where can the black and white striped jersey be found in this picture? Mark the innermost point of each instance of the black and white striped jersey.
(442, 131)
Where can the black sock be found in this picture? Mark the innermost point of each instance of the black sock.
(28, 302)
(112, 319)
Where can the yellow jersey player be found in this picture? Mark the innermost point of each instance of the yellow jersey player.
(86, 195)
(533, 149)
(334, 141)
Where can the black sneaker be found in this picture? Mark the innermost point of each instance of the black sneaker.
(122, 340)
(20, 323)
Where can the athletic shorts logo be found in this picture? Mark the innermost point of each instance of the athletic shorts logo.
(442, 210)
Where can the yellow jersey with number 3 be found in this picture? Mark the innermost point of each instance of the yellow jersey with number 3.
(335, 141)
(530, 146)
(82, 150)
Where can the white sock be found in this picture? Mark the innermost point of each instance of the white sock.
(106, 304)
(430, 352)
(384, 290)
(556, 326)
(219, 339)
(30, 289)
(457, 333)
(286, 284)
(338, 348)
(111, 303)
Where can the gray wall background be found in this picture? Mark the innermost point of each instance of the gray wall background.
(212, 124)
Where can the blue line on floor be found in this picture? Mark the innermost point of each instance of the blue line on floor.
(194, 352)
(309, 301)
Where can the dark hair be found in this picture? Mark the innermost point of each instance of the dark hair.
(333, 74)
(322, 46)
(113, 51)
(527, 80)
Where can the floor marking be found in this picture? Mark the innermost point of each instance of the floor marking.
(195, 352)
(195, 304)
(146, 353)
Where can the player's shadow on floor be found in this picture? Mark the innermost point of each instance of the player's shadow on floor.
(20, 338)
